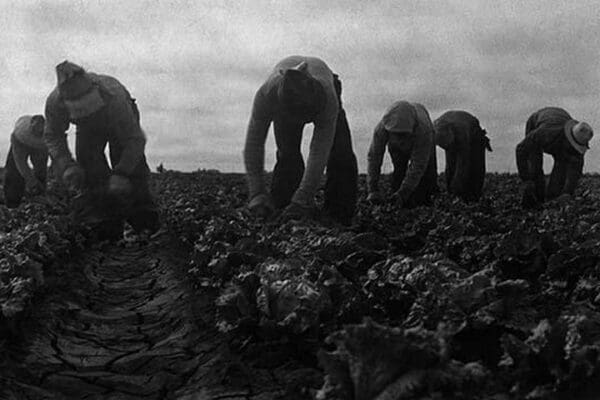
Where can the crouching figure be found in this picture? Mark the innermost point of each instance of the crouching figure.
(301, 90)
(551, 130)
(407, 131)
(26, 143)
(465, 144)
(104, 113)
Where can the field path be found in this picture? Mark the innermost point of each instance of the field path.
(122, 323)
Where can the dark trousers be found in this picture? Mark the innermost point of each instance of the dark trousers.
(563, 179)
(426, 188)
(341, 187)
(14, 183)
(139, 208)
(467, 183)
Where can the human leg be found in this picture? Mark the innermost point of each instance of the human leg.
(289, 167)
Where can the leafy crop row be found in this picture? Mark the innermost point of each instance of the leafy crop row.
(465, 301)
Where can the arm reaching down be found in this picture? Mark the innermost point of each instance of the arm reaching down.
(20, 157)
(419, 159)
(57, 123)
(320, 147)
(529, 156)
(574, 172)
(375, 157)
(254, 149)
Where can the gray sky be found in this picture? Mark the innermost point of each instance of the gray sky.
(195, 66)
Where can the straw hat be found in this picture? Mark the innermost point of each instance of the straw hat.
(579, 135)
(80, 95)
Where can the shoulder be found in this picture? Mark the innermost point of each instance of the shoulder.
(459, 120)
(22, 126)
(552, 113)
(423, 115)
(269, 87)
(315, 64)
(460, 116)
(23, 121)
(264, 98)
(316, 67)
(110, 86)
(106, 81)
(54, 100)
(398, 108)
(24, 133)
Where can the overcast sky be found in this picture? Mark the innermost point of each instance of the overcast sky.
(195, 66)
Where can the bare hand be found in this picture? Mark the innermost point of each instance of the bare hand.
(295, 211)
(35, 187)
(564, 198)
(375, 198)
(261, 206)
(73, 177)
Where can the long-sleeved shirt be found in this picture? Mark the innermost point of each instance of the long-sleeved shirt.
(406, 126)
(546, 132)
(267, 107)
(24, 142)
(122, 122)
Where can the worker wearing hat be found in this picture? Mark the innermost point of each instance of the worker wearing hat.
(465, 143)
(407, 131)
(301, 90)
(551, 130)
(104, 113)
(26, 143)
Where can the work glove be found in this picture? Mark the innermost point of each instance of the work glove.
(563, 199)
(261, 205)
(73, 177)
(34, 187)
(375, 197)
(295, 211)
(528, 196)
(119, 185)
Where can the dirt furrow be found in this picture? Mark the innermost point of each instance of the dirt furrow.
(120, 322)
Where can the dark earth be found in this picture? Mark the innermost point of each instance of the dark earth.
(456, 301)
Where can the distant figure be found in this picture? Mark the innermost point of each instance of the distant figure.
(551, 130)
(301, 90)
(104, 113)
(407, 131)
(26, 143)
(465, 143)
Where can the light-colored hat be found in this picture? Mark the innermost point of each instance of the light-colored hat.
(80, 95)
(579, 135)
